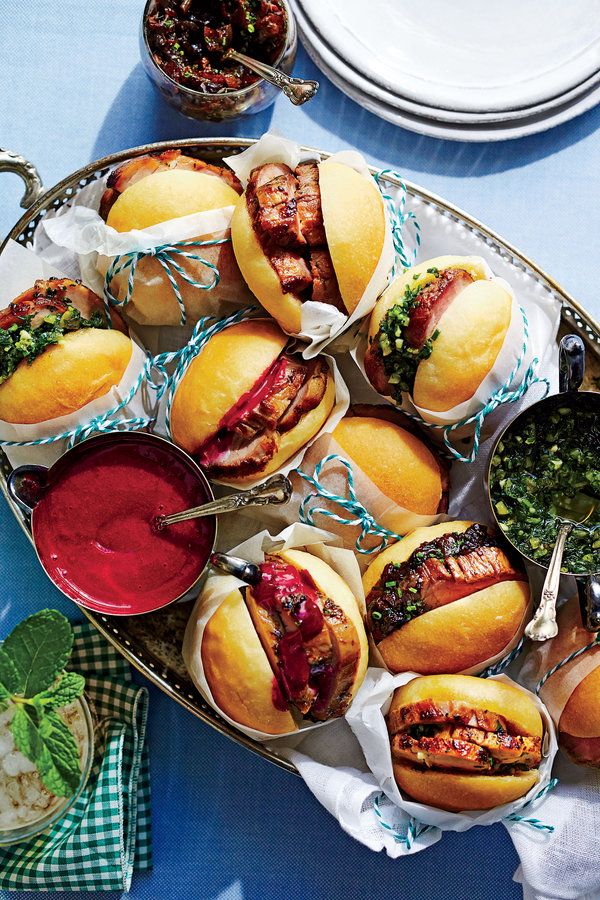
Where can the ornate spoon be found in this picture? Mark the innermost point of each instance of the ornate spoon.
(298, 90)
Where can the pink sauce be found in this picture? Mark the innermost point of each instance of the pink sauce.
(223, 438)
(94, 526)
(282, 586)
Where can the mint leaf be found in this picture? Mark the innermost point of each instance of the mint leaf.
(49, 744)
(39, 648)
(9, 675)
(64, 691)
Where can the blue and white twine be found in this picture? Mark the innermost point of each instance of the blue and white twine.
(502, 395)
(415, 828)
(503, 663)
(358, 514)
(398, 218)
(567, 659)
(166, 255)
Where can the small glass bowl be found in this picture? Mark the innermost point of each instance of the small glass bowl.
(228, 104)
(33, 829)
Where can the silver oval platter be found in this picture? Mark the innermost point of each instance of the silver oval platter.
(152, 643)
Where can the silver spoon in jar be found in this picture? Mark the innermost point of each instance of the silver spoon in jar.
(276, 489)
(298, 90)
(577, 510)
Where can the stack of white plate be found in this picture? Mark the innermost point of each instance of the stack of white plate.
(464, 70)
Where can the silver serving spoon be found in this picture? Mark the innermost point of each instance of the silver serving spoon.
(298, 90)
(276, 489)
(577, 509)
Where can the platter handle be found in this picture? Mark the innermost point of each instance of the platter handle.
(13, 162)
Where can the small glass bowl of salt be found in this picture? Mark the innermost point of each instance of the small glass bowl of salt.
(27, 808)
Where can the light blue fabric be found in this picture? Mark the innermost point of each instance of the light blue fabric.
(228, 825)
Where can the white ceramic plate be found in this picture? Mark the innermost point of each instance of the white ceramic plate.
(326, 58)
(434, 123)
(467, 56)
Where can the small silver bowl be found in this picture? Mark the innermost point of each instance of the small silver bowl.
(228, 104)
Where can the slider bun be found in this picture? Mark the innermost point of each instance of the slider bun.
(229, 365)
(472, 332)
(403, 467)
(581, 715)
(237, 669)
(395, 292)
(458, 792)
(506, 700)
(168, 194)
(82, 367)
(355, 227)
(461, 635)
(333, 586)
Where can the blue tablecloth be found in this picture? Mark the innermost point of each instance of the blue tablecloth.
(226, 824)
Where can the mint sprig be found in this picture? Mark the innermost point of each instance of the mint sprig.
(32, 678)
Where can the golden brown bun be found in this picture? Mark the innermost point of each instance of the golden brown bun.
(230, 364)
(166, 195)
(333, 586)
(157, 198)
(355, 226)
(462, 634)
(238, 671)
(581, 715)
(472, 332)
(309, 425)
(403, 467)
(354, 220)
(506, 700)
(395, 292)
(66, 376)
(458, 792)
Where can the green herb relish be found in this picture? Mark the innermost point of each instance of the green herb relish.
(535, 471)
(400, 360)
(20, 341)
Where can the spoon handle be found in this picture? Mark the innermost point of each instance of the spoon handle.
(276, 489)
(298, 90)
(543, 625)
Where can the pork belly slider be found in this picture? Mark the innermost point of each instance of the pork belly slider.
(57, 351)
(464, 743)
(316, 233)
(245, 405)
(446, 598)
(436, 332)
(154, 189)
(292, 647)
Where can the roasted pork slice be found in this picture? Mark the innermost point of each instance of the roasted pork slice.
(442, 752)
(507, 749)
(308, 397)
(291, 269)
(325, 288)
(336, 681)
(291, 375)
(433, 301)
(225, 457)
(47, 296)
(308, 198)
(136, 169)
(442, 581)
(431, 712)
(271, 197)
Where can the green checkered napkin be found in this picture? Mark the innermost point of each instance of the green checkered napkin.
(106, 835)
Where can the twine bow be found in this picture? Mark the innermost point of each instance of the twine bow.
(358, 514)
(398, 218)
(166, 255)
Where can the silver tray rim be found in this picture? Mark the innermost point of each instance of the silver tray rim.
(573, 313)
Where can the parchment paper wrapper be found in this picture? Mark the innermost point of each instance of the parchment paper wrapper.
(334, 478)
(557, 690)
(367, 720)
(321, 323)
(218, 587)
(342, 402)
(19, 268)
(79, 229)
